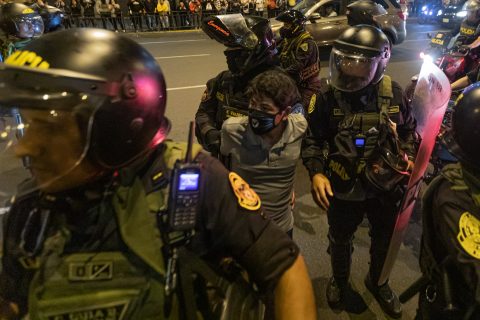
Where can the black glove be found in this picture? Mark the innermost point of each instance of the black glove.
(212, 142)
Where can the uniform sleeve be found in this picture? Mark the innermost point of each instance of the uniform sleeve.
(407, 124)
(473, 75)
(14, 279)
(313, 144)
(230, 230)
(447, 217)
(303, 58)
(205, 117)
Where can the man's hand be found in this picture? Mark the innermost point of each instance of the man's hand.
(321, 189)
(294, 294)
(8, 310)
(212, 141)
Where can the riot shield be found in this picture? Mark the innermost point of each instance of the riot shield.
(429, 103)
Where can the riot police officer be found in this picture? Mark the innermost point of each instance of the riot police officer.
(299, 55)
(449, 256)
(250, 50)
(99, 231)
(358, 151)
(469, 29)
(19, 24)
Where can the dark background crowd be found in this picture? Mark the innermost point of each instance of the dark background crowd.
(157, 15)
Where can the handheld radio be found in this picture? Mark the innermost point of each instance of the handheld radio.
(184, 196)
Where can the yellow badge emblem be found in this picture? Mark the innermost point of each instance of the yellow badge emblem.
(247, 198)
(25, 58)
(27, 11)
(469, 234)
(304, 46)
(311, 106)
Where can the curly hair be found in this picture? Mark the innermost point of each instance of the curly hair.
(276, 85)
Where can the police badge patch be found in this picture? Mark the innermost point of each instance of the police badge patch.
(247, 198)
(469, 234)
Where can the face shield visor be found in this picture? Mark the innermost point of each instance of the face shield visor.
(28, 26)
(45, 130)
(352, 72)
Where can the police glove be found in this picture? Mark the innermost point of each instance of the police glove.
(212, 141)
(321, 190)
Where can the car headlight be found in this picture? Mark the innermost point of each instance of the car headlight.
(440, 12)
(461, 14)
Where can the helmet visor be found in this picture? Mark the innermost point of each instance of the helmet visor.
(28, 26)
(351, 72)
(44, 135)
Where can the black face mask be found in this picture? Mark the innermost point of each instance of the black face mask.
(285, 32)
(261, 122)
(235, 60)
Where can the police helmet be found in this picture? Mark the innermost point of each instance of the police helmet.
(110, 84)
(363, 12)
(462, 140)
(359, 58)
(473, 10)
(293, 23)
(249, 40)
(52, 17)
(21, 21)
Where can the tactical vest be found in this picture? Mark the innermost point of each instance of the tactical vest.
(467, 30)
(433, 262)
(344, 163)
(289, 52)
(108, 285)
(231, 103)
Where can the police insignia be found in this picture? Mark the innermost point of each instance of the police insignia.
(469, 234)
(247, 198)
(311, 106)
(205, 95)
(304, 46)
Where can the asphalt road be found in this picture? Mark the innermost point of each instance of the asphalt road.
(188, 60)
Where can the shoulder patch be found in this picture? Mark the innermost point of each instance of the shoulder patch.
(247, 198)
(304, 46)
(311, 105)
(220, 96)
(469, 234)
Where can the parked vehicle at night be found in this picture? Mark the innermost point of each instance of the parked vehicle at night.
(325, 29)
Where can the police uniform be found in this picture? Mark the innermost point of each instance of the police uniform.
(299, 57)
(101, 254)
(450, 255)
(224, 97)
(353, 196)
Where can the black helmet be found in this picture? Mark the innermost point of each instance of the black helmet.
(21, 21)
(293, 23)
(249, 40)
(463, 139)
(52, 17)
(363, 12)
(111, 85)
(473, 10)
(359, 58)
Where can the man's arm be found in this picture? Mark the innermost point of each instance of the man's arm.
(294, 293)
(407, 123)
(205, 118)
(232, 224)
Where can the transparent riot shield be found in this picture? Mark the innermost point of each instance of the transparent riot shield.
(429, 104)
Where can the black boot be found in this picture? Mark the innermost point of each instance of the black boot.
(387, 299)
(336, 294)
